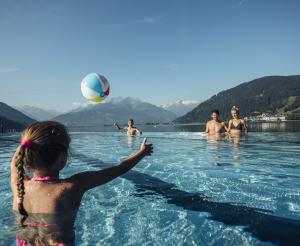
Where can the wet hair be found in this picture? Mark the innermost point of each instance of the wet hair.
(215, 111)
(48, 140)
(234, 108)
(131, 120)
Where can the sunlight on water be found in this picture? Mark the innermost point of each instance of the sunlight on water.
(192, 191)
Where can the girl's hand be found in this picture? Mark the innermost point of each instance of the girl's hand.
(146, 149)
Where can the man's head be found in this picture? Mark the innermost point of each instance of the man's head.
(215, 114)
(130, 122)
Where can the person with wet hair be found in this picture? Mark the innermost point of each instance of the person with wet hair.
(46, 204)
(130, 129)
(236, 126)
(215, 126)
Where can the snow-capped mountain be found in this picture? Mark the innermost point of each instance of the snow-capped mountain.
(181, 107)
(117, 110)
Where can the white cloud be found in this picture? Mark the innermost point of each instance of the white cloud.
(149, 20)
(187, 102)
(85, 104)
(81, 104)
(8, 69)
(182, 102)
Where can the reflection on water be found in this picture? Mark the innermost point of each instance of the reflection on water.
(288, 126)
(216, 137)
(213, 148)
(216, 144)
(48, 229)
(236, 139)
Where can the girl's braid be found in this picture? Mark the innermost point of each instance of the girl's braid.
(20, 185)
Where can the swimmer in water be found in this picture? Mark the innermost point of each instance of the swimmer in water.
(131, 130)
(215, 126)
(236, 126)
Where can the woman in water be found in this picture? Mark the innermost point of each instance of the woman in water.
(46, 204)
(236, 126)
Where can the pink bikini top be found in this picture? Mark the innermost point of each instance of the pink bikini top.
(45, 178)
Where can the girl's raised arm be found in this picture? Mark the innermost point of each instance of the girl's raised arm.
(88, 180)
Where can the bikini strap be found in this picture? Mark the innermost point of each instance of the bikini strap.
(45, 178)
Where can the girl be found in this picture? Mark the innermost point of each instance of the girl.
(45, 204)
(236, 125)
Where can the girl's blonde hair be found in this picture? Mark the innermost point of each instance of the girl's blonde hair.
(235, 108)
(45, 142)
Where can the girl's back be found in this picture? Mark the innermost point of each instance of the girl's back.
(49, 197)
(46, 205)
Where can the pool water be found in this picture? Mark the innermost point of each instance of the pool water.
(191, 191)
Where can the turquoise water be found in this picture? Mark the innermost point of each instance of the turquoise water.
(192, 191)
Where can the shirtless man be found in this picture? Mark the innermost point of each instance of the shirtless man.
(130, 129)
(215, 126)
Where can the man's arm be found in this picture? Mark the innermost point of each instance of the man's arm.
(229, 126)
(225, 127)
(207, 128)
(119, 128)
(138, 130)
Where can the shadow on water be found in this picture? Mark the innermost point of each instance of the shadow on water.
(260, 223)
(263, 226)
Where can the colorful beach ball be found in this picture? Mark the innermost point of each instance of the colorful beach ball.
(95, 87)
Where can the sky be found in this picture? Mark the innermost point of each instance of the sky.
(158, 51)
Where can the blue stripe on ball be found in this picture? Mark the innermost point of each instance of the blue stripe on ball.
(93, 82)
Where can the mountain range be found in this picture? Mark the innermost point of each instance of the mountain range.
(38, 113)
(116, 110)
(11, 118)
(271, 94)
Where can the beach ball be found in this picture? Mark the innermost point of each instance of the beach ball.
(95, 87)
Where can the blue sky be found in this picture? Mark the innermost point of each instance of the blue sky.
(158, 51)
